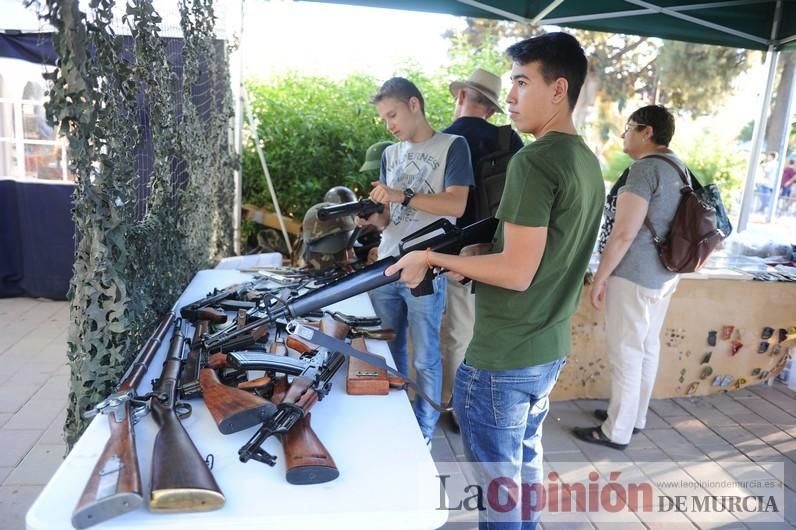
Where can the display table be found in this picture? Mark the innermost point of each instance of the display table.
(387, 477)
(703, 302)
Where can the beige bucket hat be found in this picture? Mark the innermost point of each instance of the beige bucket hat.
(485, 83)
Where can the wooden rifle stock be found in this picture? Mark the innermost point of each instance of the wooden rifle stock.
(181, 480)
(307, 460)
(233, 409)
(114, 486)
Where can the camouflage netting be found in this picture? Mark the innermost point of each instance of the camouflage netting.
(154, 174)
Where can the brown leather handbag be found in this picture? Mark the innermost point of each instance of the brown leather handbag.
(694, 232)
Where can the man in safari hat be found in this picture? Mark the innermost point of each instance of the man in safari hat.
(476, 101)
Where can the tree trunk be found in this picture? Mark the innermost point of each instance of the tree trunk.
(588, 95)
(777, 120)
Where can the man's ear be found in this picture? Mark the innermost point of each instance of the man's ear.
(460, 97)
(560, 89)
(414, 104)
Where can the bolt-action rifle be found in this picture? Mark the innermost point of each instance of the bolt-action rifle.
(114, 486)
(181, 479)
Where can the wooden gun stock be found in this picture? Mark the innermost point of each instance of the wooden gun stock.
(364, 379)
(217, 316)
(307, 460)
(181, 480)
(114, 486)
(117, 467)
(233, 409)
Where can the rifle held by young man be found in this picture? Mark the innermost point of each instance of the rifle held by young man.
(450, 241)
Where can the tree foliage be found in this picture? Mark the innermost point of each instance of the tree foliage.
(696, 78)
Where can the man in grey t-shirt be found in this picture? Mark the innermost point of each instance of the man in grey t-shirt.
(425, 176)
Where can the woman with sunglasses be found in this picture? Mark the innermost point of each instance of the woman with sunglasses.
(631, 282)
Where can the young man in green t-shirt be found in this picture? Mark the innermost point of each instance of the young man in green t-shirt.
(529, 285)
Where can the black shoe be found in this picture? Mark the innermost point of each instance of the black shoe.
(594, 435)
(602, 415)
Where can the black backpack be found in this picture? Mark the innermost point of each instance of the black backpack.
(490, 176)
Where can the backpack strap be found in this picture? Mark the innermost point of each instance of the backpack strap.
(677, 168)
(685, 180)
(504, 138)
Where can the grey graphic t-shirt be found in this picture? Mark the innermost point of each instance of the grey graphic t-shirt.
(427, 167)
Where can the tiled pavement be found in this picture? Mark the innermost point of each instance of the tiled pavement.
(757, 424)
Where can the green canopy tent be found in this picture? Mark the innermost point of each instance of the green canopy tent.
(768, 25)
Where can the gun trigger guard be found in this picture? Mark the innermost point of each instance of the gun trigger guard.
(112, 404)
(183, 411)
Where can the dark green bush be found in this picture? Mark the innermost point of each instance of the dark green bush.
(314, 134)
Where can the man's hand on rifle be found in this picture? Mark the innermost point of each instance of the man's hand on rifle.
(412, 266)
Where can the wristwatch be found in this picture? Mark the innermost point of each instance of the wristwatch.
(409, 193)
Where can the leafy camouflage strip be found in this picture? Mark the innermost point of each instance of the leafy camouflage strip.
(136, 248)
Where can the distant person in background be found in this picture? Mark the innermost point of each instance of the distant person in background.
(476, 101)
(370, 236)
(372, 161)
(765, 182)
(631, 281)
(788, 178)
(787, 184)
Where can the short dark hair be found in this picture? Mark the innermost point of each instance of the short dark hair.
(660, 119)
(401, 89)
(560, 55)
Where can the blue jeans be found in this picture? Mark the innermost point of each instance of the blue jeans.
(500, 415)
(421, 316)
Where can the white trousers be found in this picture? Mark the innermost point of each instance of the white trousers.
(457, 331)
(634, 316)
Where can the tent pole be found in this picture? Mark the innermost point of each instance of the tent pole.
(237, 138)
(747, 200)
(782, 148)
(772, 57)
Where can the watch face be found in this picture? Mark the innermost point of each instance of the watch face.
(408, 194)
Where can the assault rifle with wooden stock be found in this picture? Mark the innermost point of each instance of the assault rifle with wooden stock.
(439, 236)
(232, 409)
(306, 458)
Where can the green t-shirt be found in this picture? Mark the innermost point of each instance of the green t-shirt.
(554, 182)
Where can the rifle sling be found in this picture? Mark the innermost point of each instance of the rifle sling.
(319, 338)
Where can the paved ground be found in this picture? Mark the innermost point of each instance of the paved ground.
(758, 424)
